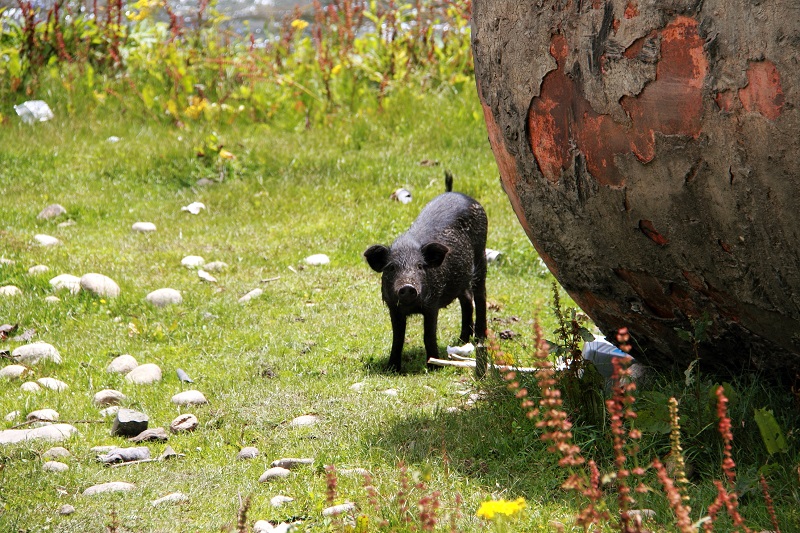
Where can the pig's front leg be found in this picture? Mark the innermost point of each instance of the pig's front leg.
(430, 319)
(398, 338)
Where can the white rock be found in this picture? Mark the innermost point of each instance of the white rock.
(66, 223)
(205, 276)
(144, 374)
(102, 449)
(45, 415)
(143, 227)
(274, 473)
(52, 299)
(10, 290)
(108, 397)
(66, 510)
(30, 386)
(391, 392)
(5, 261)
(336, 510)
(292, 462)
(38, 269)
(52, 384)
(51, 211)
(56, 452)
(183, 423)
(304, 420)
(277, 501)
(113, 486)
(317, 259)
(46, 240)
(55, 466)
(13, 415)
(164, 297)
(31, 354)
(358, 386)
(122, 364)
(100, 285)
(193, 261)
(194, 207)
(66, 281)
(248, 452)
(175, 497)
(113, 139)
(54, 432)
(255, 293)
(216, 266)
(109, 411)
(13, 371)
(189, 397)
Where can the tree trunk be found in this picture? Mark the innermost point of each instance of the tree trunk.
(650, 151)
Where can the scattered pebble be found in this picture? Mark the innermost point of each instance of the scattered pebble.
(13, 371)
(277, 501)
(122, 364)
(255, 293)
(52, 299)
(644, 513)
(44, 415)
(317, 259)
(108, 397)
(5, 261)
(52, 384)
(194, 207)
(112, 486)
(274, 473)
(143, 227)
(102, 449)
(129, 423)
(38, 269)
(31, 354)
(109, 411)
(51, 211)
(164, 297)
(216, 266)
(193, 261)
(113, 139)
(66, 510)
(13, 415)
(248, 452)
(175, 497)
(144, 374)
(125, 455)
(183, 376)
(10, 290)
(55, 466)
(358, 386)
(46, 240)
(290, 462)
(158, 434)
(305, 420)
(336, 510)
(391, 392)
(56, 452)
(66, 223)
(66, 281)
(189, 397)
(205, 276)
(30, 386)
(54, 432)
(184, 423)
(100, 285)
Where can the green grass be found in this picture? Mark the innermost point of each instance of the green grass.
(295, 350)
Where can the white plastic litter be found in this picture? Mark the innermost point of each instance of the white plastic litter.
(461, 350)
(194, 207)
(317, 259)
(492, 255)
(401, 195)
(34, 111)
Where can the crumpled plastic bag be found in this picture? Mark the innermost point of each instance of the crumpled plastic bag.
(34, 111)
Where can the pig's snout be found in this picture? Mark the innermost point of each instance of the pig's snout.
(407, 293)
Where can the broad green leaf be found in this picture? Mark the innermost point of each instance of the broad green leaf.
(771, 432)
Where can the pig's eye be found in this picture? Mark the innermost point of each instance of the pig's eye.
(420, 266)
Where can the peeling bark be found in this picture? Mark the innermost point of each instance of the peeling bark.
(650, 149)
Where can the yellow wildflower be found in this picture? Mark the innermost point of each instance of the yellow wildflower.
(196, 107)
(299, 24)
(336, 69)
(224, 154)
(490, 508)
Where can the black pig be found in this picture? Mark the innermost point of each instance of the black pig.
(440, 258)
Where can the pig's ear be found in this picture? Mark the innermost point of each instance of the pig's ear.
(377, 256)
(434, 253)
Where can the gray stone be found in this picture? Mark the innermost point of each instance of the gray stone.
(51, 211)
(164, 297)
(143, 227)
(38, 269)
(125, 455)
(54, 432)
(158, 434)
(13, 371)
(100, 285)
(304, 420)
(55, 466)
(183, 376)
(10, 290)
(248, 452)
(274, 473)
(31, 354)
(112, 486)
(175, 497)
(43, 415)
(102, 449)
(56, 452)
(291, 463)
(205, 276)
(66, 510)
(30, 386)
(216, 266)
(52, 384)
(336, 510)
(122, 364)
(189, 397)
(255, 293)
(66, 281)
(129, 423)
(46, 240)
(109, 411)
(52, 299)
(108, 397)
(144, 374)
(13, 415)
(193, 261)
(277, 501)
(184, 423)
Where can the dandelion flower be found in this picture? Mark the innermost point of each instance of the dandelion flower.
(299, 24)
(490, 508)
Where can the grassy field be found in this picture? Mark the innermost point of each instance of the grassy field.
(295, 350)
